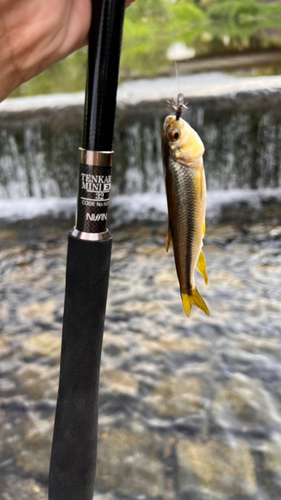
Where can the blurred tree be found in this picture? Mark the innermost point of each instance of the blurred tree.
(151, 26)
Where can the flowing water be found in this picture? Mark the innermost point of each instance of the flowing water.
(241, 131)
(190, 409)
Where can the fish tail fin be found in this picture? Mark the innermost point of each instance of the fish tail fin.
(194, 299)
(201, 266)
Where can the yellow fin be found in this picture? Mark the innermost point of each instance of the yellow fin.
(204, 229)
(169, 239)
(193, 300)
(201, 266)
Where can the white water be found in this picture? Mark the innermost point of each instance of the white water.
(31, 183)
(137, 207)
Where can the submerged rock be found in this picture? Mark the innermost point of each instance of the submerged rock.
(129, 464)
(217, 468)
(244, 405)
(120, 382)
(43, 345)
(175, 397)
(39, 310)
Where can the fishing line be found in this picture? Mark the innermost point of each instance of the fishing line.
(174, 55)
(176, 70)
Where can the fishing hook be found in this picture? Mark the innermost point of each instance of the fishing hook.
(179, 106)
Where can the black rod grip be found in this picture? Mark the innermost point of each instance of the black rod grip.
(73, 459)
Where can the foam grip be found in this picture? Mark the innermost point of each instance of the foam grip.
(73, 458)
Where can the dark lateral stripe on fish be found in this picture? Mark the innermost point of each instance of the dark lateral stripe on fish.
(191, 227)
(185, 222)
(189, 243)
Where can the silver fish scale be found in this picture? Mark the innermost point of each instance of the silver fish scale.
(186, 205)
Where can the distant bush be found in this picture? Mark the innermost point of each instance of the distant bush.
(184, 12)
(269, 9)
(233, 10)
(147, 9)
(150, 26)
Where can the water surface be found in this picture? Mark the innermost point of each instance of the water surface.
(189, 408)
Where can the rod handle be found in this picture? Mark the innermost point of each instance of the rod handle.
(73, 458)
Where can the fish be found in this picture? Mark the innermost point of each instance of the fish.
(182, 150)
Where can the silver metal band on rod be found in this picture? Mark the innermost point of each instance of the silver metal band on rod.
(80, 235)
(96, 158)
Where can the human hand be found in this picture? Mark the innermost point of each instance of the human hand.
(36, 34)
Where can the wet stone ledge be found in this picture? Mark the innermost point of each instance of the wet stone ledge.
(241, 130)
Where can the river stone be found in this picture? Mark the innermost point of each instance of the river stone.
(7, 387)
(114, 345)
(272, 456)
(272, 467)
(38, 382)
(141, 307)
(3, 343)
(176, 396)
(220, 233)
(4, 312)
(15, 487)
(226, 279)
(5, 346)
(43, 345)
(119, 253)
(261, 230)
(255, 343)
(187, 345)
(245, 406)
(128, 464)
(166, 277)
(33, 457)
(151, 250)
(39, 310)
(119, 381)
(107, 496)
(217, 468)
(264, 305)
(8, 235)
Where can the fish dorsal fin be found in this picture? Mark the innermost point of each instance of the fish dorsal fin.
(169, 238)
(201, 266)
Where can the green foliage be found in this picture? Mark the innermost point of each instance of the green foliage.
(182, 12)
(151, 26)
(233, 10)
(239, 10)
(269, 9)
(151, 9)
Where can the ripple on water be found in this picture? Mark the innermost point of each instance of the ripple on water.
(189, 408)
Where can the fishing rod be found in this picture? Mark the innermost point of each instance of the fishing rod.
(74, 449)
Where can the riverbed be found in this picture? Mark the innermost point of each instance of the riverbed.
(189, 408)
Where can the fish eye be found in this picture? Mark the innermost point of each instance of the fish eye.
(174, 134)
